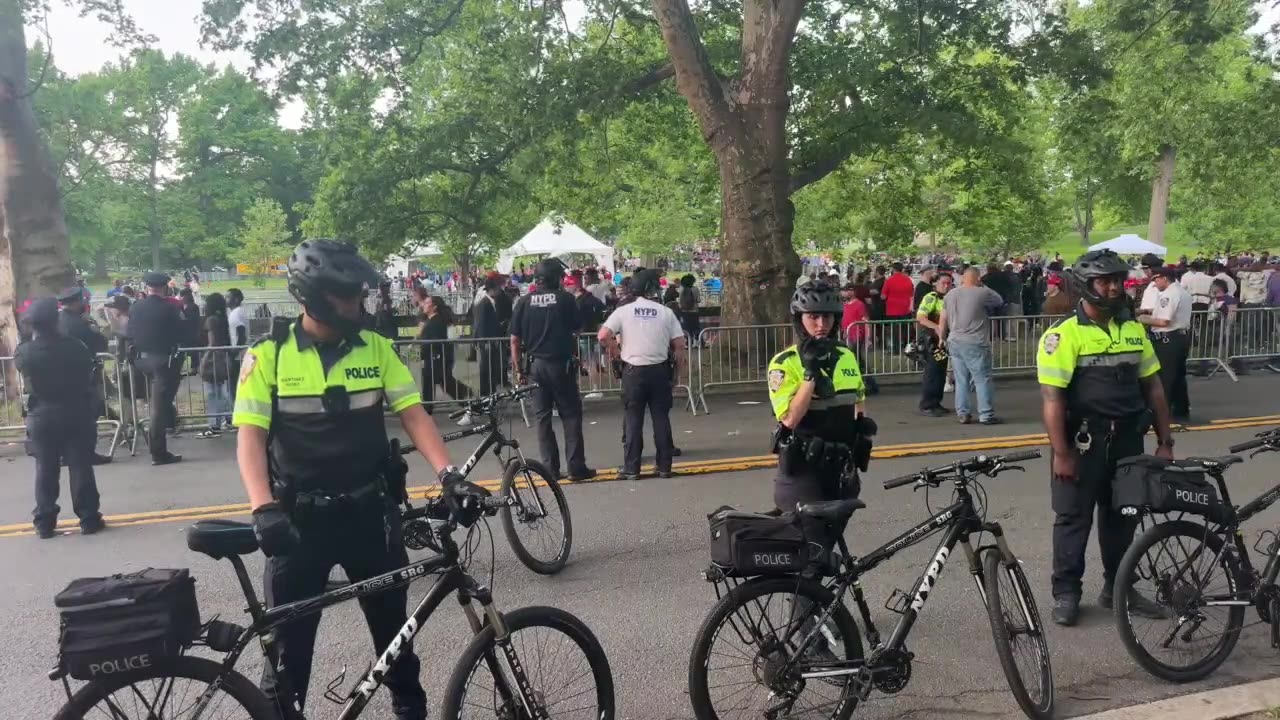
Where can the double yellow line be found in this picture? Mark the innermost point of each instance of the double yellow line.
(703, 467)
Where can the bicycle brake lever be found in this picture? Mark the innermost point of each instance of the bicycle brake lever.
(1259, 451)
(1012, 467)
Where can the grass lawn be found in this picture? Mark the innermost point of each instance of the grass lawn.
(245, 284)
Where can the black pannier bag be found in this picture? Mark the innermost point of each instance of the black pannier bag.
(126, 622)
(1146, 483)
(747, 544)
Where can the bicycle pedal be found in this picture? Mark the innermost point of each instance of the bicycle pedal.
(897, 602)
(331, 690)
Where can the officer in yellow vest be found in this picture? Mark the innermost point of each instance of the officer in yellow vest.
(816, 389)
(1098, 378)
(312, 395)
(933, 351)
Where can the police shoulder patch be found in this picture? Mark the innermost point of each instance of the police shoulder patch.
(776, 378)
(246, 366)
(1051, 342)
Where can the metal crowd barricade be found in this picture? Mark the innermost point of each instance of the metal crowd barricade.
(106, 388)
(1252, 334)
(11, 397)
(737, 355)
(597, 372)
(210, 400)
(458, 368)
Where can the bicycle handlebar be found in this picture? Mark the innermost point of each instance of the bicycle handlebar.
(1268, 438)
(977, 463)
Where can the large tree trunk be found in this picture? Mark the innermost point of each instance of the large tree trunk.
(744, 123)
(39, 257)
(1160, 187)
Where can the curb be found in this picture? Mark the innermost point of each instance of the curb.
(1220, 704)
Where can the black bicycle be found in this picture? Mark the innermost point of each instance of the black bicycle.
(792, 649)
(534, 663)
(1201, 574)
(536, 505)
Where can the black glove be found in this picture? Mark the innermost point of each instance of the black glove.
(816, 356)
(274, 531)
(449, 475)
(865, 426)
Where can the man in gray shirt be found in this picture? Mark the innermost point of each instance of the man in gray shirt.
(966, 311)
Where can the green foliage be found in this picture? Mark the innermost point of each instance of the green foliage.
(264, 239)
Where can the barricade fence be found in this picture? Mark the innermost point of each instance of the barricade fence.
(454, 370)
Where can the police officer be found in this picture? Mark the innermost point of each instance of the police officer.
(1168, 321)
(1098, 377)
(311, 394)
(155, 329)
(651, 334)
(543, 327)
(817, 394)
(73, 324)
(58, 373)
(931, 349)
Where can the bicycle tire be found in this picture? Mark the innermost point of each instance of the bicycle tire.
(1124, 580)
(538, 565)
(993, 570)
(699, 657)
(484, 643)
(235, 685)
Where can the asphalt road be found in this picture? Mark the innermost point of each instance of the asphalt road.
(633, 577)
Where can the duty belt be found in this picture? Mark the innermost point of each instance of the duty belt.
(319, 500)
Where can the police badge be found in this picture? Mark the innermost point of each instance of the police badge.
(775, 379)
(1051, 343)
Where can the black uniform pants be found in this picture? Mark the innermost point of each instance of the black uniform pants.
(56, 433)
(163, 376)
(798, 483)
(1172, 349)
(646, 387)
(1074, 502)
(558, 389)
(933, 381)
(365, 540)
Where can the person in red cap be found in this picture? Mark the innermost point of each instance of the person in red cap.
(1056, 299)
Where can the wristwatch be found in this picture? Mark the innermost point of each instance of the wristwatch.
(446, 470)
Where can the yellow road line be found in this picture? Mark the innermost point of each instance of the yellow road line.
(704, 467)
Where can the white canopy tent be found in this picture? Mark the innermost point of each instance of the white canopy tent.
(1130, 245)
(400, 264)
(548, 239)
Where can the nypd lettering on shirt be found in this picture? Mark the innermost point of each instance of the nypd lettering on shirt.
(645, 313)
(542, 300)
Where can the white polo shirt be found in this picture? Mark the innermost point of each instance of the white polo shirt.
(646, 329)
(1172, 304)
(1149, 294)
(1197, 284)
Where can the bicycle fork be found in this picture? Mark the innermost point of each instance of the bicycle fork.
(506, 666)
(1008, 559)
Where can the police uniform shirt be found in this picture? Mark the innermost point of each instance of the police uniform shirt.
(830, 418)
(931, 308)
(74, 325)
(1198, 284)
(155, 325)
(1098, 367)
(546, 324)
(1172, 304)
(647, 330)
(56, 370)
(1149, 297)
(328, 432)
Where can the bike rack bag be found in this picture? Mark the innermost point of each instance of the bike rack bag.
(747, 544)
(1146, 483)
(125, 622)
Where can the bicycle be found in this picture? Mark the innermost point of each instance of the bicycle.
(816, 643)
(499, 656)
(1189, 589)
(523, 483)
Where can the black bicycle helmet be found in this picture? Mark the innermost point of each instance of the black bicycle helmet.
(816, 297)
(1091, 266)
(318, 268)
(549, 273)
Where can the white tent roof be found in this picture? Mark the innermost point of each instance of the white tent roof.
(548, 239)
(1130, 245)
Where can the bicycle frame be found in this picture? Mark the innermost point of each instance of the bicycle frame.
(960, 520)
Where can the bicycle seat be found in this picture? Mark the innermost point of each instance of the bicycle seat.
(222, 538)
(830, 509)
(1211, 463)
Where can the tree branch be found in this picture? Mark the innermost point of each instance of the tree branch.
(648, 80)
(695, 77)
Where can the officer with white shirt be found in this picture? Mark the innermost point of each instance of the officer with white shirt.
(1169, 324)
(1149, 263)
(651, 337)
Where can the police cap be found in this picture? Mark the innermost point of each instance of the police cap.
(155, 279)
(1168, 271)
(71, 294)
(43, 313)
(1151, 260)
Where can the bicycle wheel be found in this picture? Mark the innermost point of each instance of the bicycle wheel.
(1179, 565)
(544, 641)
(766, 619)
(1019, 634)
(173, 691)
(541, 513)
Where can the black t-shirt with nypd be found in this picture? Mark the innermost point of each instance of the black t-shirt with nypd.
(546, 324)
